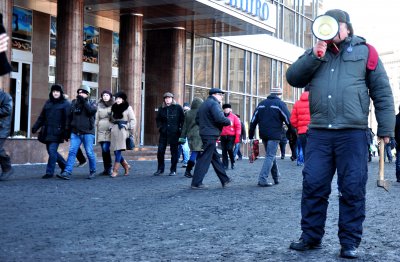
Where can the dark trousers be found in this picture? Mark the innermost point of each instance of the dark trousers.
(106, 155)
(5, 160)
(293, 146)
(227, 146)
(302, 140)
(330, 151)
(207, 156)
(282, 147)
(80, 156)
(162, 146)
(54, 157)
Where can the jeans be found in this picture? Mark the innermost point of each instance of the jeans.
(193, 156)
(118, 156)
(271, 147)
(54, 157)
(236, 151)
(75, 143)
(105, 153)
(398, 164)
(185, 151)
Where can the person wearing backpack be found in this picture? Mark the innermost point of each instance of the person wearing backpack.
(343, 75)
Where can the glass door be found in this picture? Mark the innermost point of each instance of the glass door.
(20, 91)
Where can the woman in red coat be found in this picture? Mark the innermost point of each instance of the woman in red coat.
(300, 118)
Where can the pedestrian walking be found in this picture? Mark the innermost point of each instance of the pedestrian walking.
(230, 136)
(190, 134)
(397, 138)
(6, 107)
(283, 142)
(236, 152)
(343, 75)
(169, 121)
(103, 126)
(300, 119)
(53, 122)
(82, 126)
(124, 121)
(270, 115)
(184, 149)
(210, 119)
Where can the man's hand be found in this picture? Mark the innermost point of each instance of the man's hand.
(319, 49)
(386, 139)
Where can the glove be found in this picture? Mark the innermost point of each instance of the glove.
(182, 140)
(80, 99)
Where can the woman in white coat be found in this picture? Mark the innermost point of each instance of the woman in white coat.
(123, 119)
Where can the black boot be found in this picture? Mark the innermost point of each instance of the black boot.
(190, 165)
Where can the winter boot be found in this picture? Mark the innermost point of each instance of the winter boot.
(115, 170)
(189, 167)
(127, 167)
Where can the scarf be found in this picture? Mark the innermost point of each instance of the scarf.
(118, 109)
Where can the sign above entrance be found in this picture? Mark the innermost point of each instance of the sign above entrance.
(262, 12)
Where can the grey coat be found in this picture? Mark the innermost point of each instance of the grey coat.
(341, 88)
(190, 129)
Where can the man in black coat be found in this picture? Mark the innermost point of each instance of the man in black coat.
(6, 106)
(210, 119)
(397, 138)
(169, 121)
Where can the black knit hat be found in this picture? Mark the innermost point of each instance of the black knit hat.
(226, 106)
(342, 17)
(121, 95)
(57, 87)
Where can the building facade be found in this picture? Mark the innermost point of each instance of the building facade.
(146, 48)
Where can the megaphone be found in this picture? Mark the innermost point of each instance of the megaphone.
(325, 28)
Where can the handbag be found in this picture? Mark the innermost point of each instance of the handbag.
(130, 142)
(42, 135)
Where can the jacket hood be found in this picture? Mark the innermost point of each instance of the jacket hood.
(304, 96)
(101, 103)
(196, 103)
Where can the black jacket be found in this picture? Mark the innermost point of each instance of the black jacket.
(270, 115)
(6, 106)
(83, 113)
(169, 121)
(210, 118)
(54, 119)
(397, 131)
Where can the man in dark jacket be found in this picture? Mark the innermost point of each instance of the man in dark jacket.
(82, 127)
(343, 75)
(169, 121)
(397, 138)
(6, 106)
(210, 119)
(270, 115)
(53, 121)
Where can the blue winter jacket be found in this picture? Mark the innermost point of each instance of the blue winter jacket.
(341, 88)
(270, 115)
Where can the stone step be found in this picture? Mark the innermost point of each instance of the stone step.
(140, 153)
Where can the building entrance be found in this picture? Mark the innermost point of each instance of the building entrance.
(20, 90)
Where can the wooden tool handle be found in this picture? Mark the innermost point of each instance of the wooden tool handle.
(382, 159)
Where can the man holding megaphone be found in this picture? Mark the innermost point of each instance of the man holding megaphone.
(343, 73)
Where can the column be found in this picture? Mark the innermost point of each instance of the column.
(165, 72)
(69, 45)
(130, 63)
